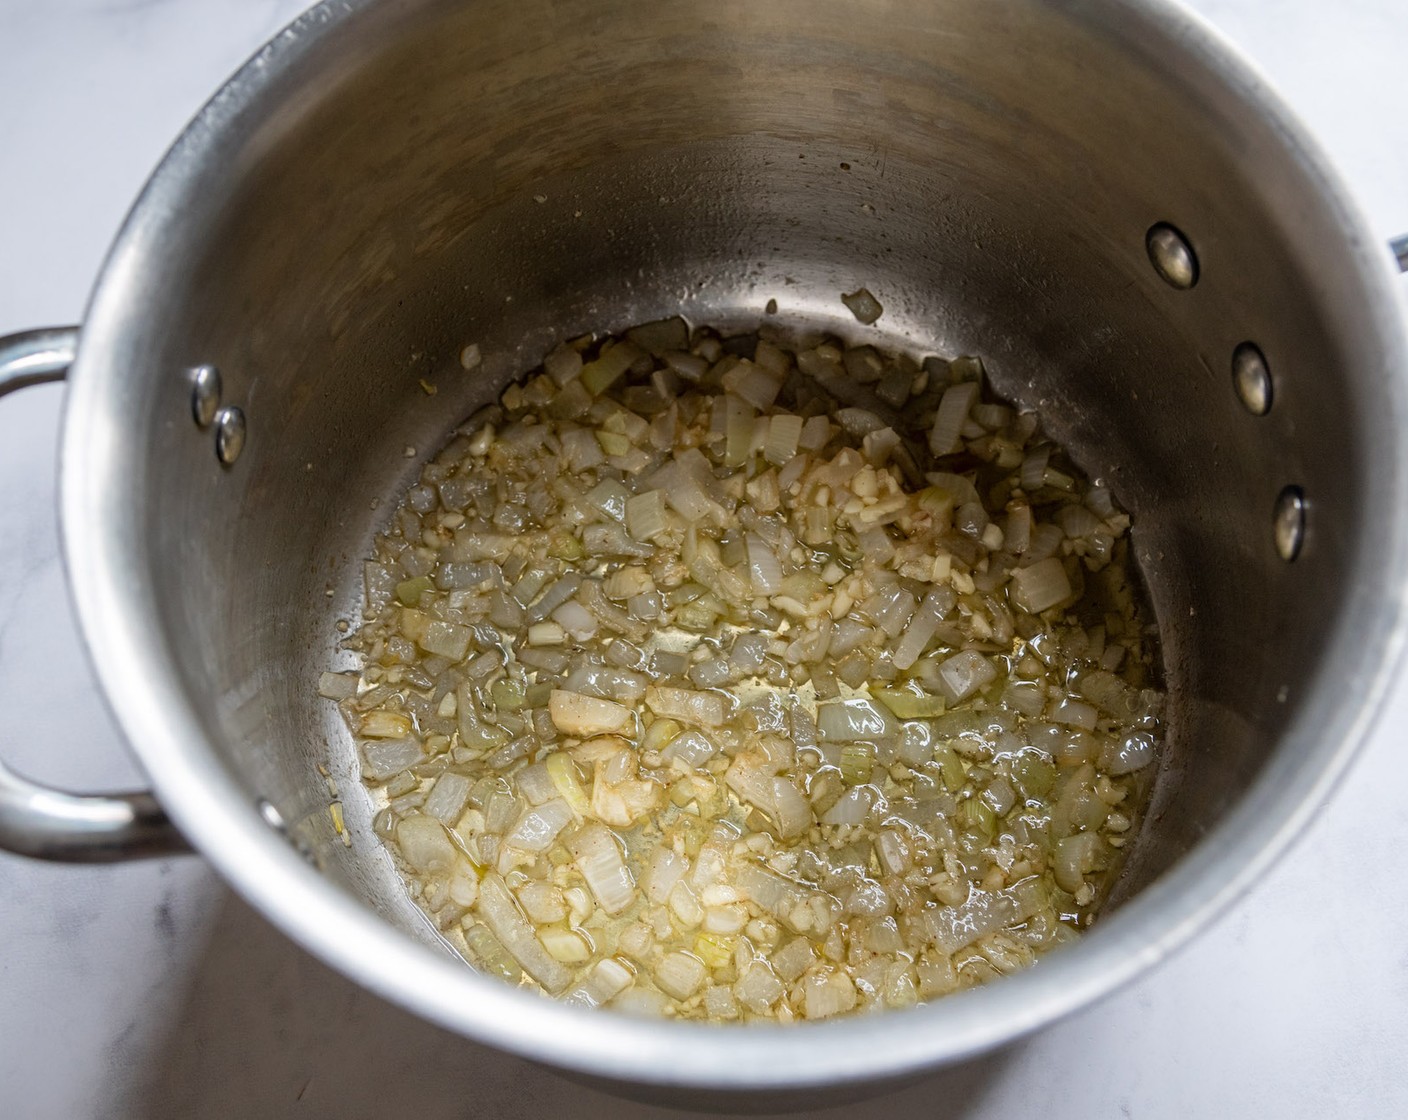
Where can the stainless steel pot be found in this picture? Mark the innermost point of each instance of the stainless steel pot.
(1097, 196)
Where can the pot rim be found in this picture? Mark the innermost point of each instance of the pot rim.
(103, 554)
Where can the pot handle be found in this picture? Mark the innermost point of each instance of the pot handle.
(35, 820)
(1399, 245)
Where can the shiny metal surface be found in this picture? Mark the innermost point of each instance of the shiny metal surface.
(36, 357)
(1289, 522)
(205, 394)
(1004, 163)
(1172, 256)
(34, 820)
(1251, 378)
(231, 430)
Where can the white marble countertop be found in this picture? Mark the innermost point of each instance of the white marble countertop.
(151, 991)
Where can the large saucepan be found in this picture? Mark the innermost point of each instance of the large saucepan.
(1095, 195)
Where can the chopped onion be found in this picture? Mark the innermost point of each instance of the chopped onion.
(753, 383)
(1125, 755)
(1074, 858)
(679, 974)
(688, 609)
(845, 721)
(1073, 712)
(391, 756)
(501, 915)
(758, 989)
(691, 748)
(1040, 587)
(707, 709)
(424, 844)
(863, 305)
(536, 829)
(447, 797)
(599, 860)
(851, 808)
(666, 869)
(607, 980)
(764, 568)
(963, 674)
(585, 716)
(790, 809)
(827, 994)
(953, 410)
(645, 515)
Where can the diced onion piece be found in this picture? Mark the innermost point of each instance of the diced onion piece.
(391, 756)
(447, 797)
(563, 772)
(666, 869)
(576, 620)
(758, 988)
(1074, 857)
(864, 306)
(337, 686)
(446, 639)
(424, 844)
(536, 829)
(1041, 586)
(706, 709)
(791, 812)
(784, 432)
(845, 721)
(1129, 753)
(535, 783)
(985, 912)
(585, 716)
(739, 423)
(828, 993)
(852, 807)
(679, 974)
(566, 945)
(645, 515)
(764, 568)
(692, 748)
(964, 674)
(382, 724)
(954, 406)
(1075, 713)
(607, 980)
(500, 913)
(599, 374)
(547, 633)
(910, 703)
(753, 383)
(599, 860)
(922, 626)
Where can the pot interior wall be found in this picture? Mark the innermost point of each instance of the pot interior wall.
(438, 174)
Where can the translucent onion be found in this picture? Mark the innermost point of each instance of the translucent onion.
(501, 915)
(599, 860)
(687, 610)
(537, 828)
(1041, 586)
(953, 410)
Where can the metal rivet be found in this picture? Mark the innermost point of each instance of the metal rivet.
(1172, 256)
(1251, 378)
(205, 394)
(229, 434)
(272, 817)
(1288, 524)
